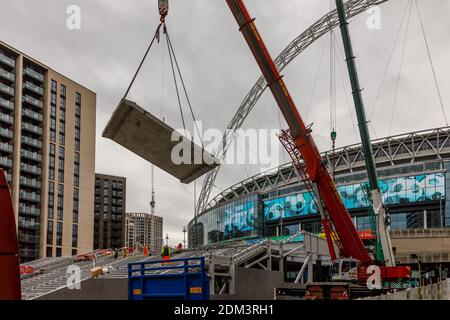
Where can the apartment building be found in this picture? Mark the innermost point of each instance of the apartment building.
(47, 147)
(109, 216)
(144, 229)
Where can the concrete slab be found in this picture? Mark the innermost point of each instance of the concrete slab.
(145, 135)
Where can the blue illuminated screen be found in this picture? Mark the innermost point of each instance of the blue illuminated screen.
(239, 219)
(417, 188)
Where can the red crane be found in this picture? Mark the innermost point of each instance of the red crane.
(300, 143)
(306, 158)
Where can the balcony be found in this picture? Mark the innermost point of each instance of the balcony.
(31, 155)
(117, 209)
(30, 169)
(29, 196)
(31, 128)
(116, 218)
(33, 101)
(31, 142)
(6, 147)
(29, 253)
(31, 211)
(10, 62)
(31, 225)
(6, 133)
(6, 104)
(28, 239)
(33, 74)
(6, 118)
(33, 88)
(5, 162)
(32, 183)
(6, 89)
(7, 75)
(32, 115)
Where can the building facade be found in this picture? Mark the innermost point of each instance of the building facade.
(47, 147)
(414, 179)
(109, 216)
(144, 229)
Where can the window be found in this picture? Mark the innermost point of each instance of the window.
(54, 86)
(74, 235)
(76, 193)
(51, 173)
(53, 102)
(59, 234)
(63, 90)
(77, 98)
(58, 252)
(49, 252)
(398, 221)
(60, 201)
(50, 232)
(61, 156)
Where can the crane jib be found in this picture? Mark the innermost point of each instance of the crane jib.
(350, 243)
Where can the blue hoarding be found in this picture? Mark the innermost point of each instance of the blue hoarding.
(410, 189)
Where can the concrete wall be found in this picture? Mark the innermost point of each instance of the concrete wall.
(93, 289)
(438, 291)
(254, 284)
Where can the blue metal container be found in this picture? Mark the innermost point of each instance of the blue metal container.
(174, 279)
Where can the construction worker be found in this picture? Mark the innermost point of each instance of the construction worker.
(180, 247)
(124, 252)
(145, 251)
(166, 253)
(116, 253)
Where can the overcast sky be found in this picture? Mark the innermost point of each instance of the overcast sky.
(219, 70)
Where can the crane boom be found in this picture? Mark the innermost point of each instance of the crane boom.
(378, 208)
(350, 243)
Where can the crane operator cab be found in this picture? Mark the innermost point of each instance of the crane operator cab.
(345, 269)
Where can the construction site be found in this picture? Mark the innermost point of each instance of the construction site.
(363, 221)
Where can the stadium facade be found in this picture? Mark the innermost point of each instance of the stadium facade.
(414, 178)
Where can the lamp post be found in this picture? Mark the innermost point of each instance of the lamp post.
(184, 237)
(167, 239)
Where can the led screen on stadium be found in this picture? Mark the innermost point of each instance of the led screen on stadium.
(239, 220)
(410, 189)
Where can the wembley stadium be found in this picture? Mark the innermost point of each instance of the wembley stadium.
(414, 179)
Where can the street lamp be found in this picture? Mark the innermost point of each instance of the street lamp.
(184, 237)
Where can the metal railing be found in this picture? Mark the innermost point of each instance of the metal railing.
(7, 60)
(32, 211)
(33, 101)
(5, 162)
(33, 87)
(32, 142)
(7, 104)
(6, 133)
(34, 74)
(31, 155)
(30, 196)
(7, 75)
(6, 89)
(6, 118)
(30, 169)
(6, 147)
(32, 114)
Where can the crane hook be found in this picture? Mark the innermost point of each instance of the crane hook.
(163, 6)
